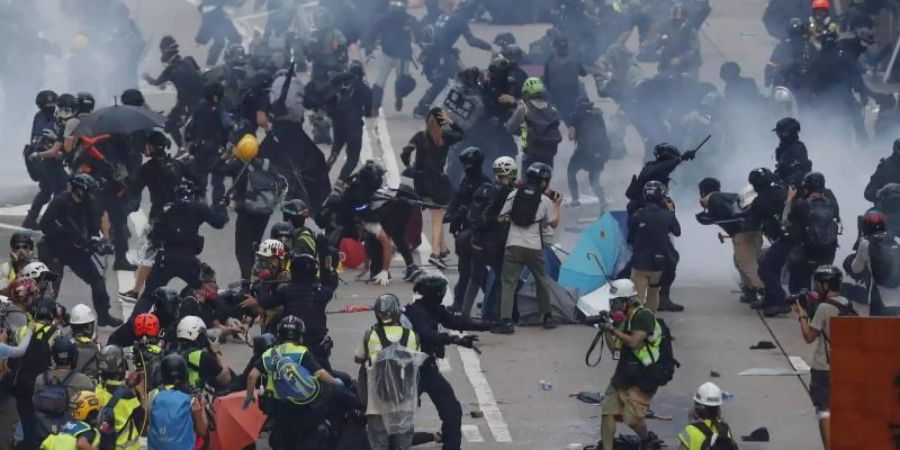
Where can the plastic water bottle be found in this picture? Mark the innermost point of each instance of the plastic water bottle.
(545, 385)
(727, 396)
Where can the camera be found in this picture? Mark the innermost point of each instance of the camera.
(806, 299)
(600, 318)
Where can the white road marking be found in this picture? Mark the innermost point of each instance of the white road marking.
(472, 433)
(492, 414)
(18, 228)
(470, 362)
(444, 365)
(16, 211)
(798, 364)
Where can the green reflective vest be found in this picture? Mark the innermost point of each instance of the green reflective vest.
(128, 433)
(649, 352)
(68, 435)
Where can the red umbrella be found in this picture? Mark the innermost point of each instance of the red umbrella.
(236, 427)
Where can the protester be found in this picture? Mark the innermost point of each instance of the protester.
(177, 418)
(878, 255)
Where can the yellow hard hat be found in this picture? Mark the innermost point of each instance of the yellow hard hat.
(246, 148)
(86, 403)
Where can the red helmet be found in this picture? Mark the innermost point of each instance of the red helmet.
(146, 324)
(821, 4)
(874, 221)
(23, 288)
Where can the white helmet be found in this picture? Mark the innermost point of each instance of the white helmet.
(271, 247)
(81, 315)
(34, 270)
(622, 288)
(708, 394)
(505, 167)
(190, 328)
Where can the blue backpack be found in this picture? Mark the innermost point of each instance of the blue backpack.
(171, 423)
(293, 382)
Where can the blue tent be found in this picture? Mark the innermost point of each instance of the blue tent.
(603, 240)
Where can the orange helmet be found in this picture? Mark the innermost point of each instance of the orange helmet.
(23, 288)
(146, 324)
(820, 4)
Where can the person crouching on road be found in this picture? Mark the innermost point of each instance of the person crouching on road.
(634, 332)
(528, 210)
(386, 332)
(707, 430)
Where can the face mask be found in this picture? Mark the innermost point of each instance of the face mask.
(618, 316)
(212, 294)
(265, 275)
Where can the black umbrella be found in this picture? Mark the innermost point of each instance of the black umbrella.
(119, 119)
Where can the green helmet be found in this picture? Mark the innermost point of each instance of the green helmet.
(533, 86)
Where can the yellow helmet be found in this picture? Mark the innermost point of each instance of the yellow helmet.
(246, 148)
(86, 403)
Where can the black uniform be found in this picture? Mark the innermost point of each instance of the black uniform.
(462, 231)
(425, 318)
(648, 234)
(658, 170)
(592, 149)
(250, 225)
(185, 75)
(440, 60)
(888, 171)
(488, 246)
(792, 162)
(350, 103)
(160, 175)
(207, 135)
(813, 223)
(307, 300)
(560, 77)
(216, 26)
(68, 227)
(45, 131)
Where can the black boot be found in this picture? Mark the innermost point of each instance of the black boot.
(666, 304)
(122, 263)
(748, 295)
(106, 320)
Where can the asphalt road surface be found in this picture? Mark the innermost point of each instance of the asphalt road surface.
(714, 334)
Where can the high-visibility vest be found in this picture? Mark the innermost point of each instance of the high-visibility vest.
(68, 435)
(393, 333)
(193, 360)
(128, 433)
(290, 350)
(693, 439)
(649, 352)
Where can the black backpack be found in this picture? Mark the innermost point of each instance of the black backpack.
(822, 225)
(525, 206)
(884, 253)
(723, 439)
(476, 213)
(387, 371)
(542, 124)
(662, 370)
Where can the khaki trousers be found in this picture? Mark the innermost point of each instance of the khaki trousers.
(647, 285)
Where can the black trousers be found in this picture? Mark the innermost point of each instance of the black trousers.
(248, 233)
(770, 267)
(206, 170)
(174, 120)
(82, 265)
(27, 418)
(349, 134)
(593, 166)
(117, 209)
(50, 185)
(218, 27)
(449, 410)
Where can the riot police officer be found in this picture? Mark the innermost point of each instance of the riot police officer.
(71, 227)
(216, 26)
(43, 155)
(888, 171)
(185, 75)
(425, 314)
(327, 51)
(791, 159)
(207, 136)
(350, 101)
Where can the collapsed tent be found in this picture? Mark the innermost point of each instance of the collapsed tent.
(600, 252)
(562, 301)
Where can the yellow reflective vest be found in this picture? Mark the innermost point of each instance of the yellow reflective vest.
(128, 432)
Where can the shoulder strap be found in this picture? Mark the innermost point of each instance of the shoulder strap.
(68, 378)
(405, 338)
(704, 428)
(382, 337)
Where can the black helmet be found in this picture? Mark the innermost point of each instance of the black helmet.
(372, 173)
(166, 301)
(796, 28)
(281, 230)
(499, 66)
(46, 99)
(173, 369)
(261, 81)
(357, 69)
(185, 191)
(787, 127)
(263, 342)
(158, 143)
(538, 173)
(654, 191)
(432, 288)
(304, 267)
(829, 274)
(66, 105)
(84, 182)
(666, 151)
(291, 328)
(504, 39)
(43, 309)
(729, 70)
(133, 97)
(20, 237)
(64, 351)
(886, 197)
(387, 309)
(471, 157)
(470, 77)
(85, 102)
(513, 53)
(814, 182)
(213, 90)
(235, 55)
(561, 44)
(294, 209)
(760, 178)
(168, 48)
(111, 362)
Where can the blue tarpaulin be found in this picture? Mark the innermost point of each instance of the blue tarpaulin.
(605, 239)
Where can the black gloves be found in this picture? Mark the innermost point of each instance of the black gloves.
(465, 341)
(689, 155)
